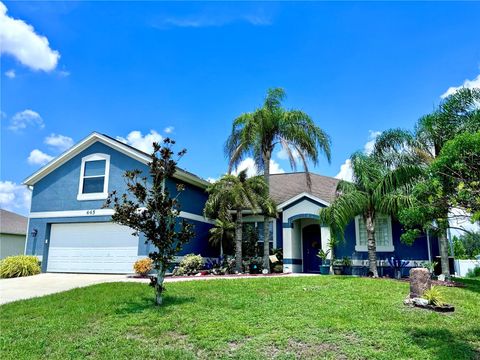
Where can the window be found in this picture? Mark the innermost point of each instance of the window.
(383, 234)
(94, 177)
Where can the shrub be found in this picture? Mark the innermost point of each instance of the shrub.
(475, 272)
(278, 268)
(190, 264)
(434, 295)
(143, 266)
(17, 266)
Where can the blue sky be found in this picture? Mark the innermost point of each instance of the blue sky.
(356, 68)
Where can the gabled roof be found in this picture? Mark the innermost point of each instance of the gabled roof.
(289, 187)
(115, 144)
(11, 223)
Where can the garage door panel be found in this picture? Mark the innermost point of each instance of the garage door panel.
(92, 248)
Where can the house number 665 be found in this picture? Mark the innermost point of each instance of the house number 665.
(90, 212)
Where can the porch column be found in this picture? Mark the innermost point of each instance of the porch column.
(287, 249)
(325, 235)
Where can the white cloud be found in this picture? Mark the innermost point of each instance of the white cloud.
(20, 40)
(169, 129)
(249, 164)
(368, 147)
(283, 155)
(211, 19)
(15, 197)
(25, 118)
(60, 142)
(38, 157)
(143, 143)
(211, 180)
(469, 84)
(346, 171)
(10, 74)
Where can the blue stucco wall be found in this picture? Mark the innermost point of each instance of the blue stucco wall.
(279, 240)
(58, 190)
(417, 251)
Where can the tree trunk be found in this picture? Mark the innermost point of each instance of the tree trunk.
(238, 242)
(266, 221)
(443, 249)
(221, 248)
(372, 248)
(159, 285)
(332, 258)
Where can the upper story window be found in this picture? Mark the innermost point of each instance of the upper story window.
(383, 234)
(94, 177)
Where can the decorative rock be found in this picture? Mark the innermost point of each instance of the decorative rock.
(420, 301)
(419, 282)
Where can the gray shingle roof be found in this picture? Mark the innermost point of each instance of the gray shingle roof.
(11, 223)
(285, 186)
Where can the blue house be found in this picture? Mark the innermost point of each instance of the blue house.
(70, 231)
(68, 228)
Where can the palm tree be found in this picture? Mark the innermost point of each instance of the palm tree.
(396, 147)
(257, 133)
(220, 232)
(375, 190)
(235, 194)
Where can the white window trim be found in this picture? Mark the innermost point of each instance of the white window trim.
(364, 248)
(94, 196)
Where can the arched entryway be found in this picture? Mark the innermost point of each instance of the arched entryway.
(312, 243)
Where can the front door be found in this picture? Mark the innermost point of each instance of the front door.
(311, 244)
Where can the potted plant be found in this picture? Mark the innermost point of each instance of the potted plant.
(397, 265)
(347, 265)
(338, 267)
(324, 267)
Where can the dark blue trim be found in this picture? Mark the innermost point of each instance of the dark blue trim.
(287, 225)
(292, 261)
(300, 200)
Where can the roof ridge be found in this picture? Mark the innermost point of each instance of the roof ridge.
(303, 172)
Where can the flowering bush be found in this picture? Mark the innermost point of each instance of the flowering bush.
(143, 266)
(190, 265)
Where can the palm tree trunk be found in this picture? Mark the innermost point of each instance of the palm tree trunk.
(443, 249)
(221, 248)
(372, 248)
(238, 242)
(266, 221)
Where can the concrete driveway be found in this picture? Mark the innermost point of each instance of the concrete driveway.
(49, 283)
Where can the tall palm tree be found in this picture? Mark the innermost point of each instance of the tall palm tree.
(375, 190)
(221, 232)
(458, 113)
(235, 194)
(257, 133)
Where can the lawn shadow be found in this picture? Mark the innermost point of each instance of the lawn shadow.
(147, 303)
(470, 284)
(444, 344)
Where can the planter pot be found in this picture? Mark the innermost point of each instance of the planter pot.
(324, 269)
(347, 270)
(338, 270)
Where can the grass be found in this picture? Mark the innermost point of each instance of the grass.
(282, 318)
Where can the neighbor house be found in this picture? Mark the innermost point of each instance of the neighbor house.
(70, 231)
(13, 230)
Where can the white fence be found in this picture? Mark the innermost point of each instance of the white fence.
(462, 266)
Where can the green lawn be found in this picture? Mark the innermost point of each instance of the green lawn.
(283, 318)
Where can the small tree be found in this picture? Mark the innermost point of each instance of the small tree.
(148, 208)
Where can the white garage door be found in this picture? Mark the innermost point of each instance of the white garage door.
(92, 248)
